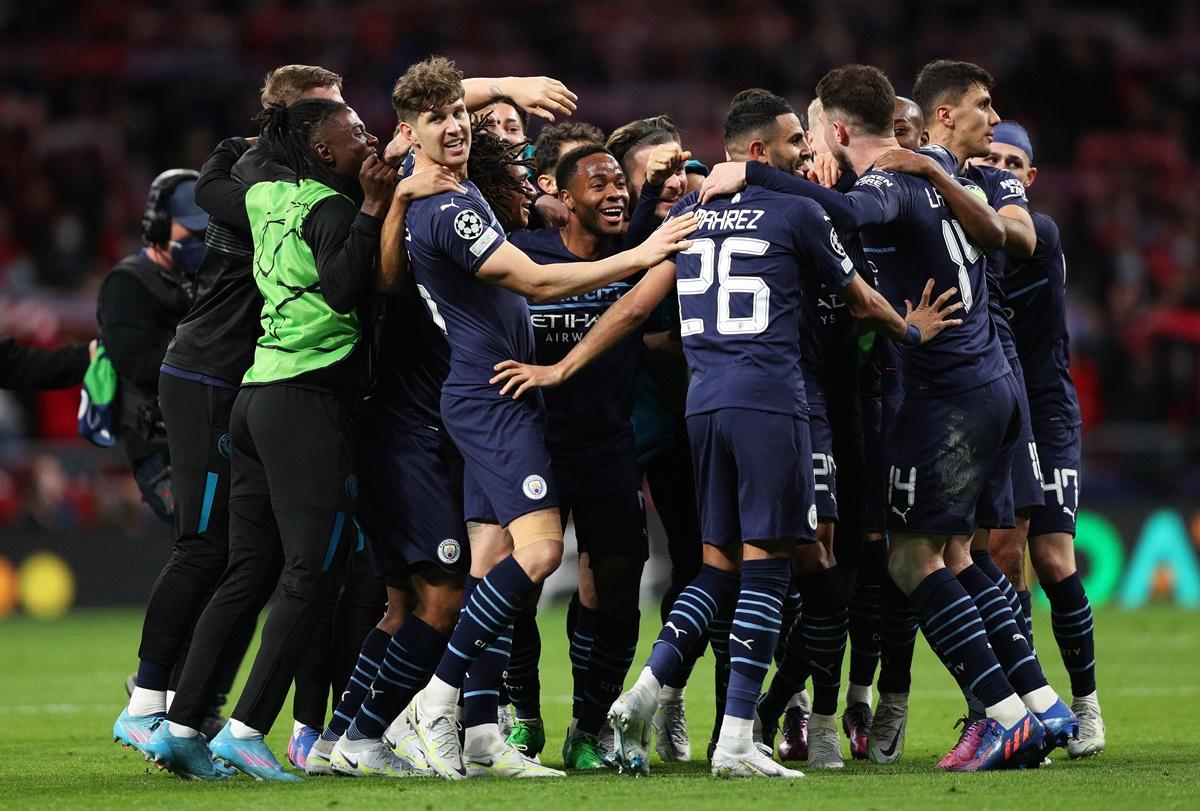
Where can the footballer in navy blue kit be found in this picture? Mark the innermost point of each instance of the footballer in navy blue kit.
(476, 285)
(588, 435)
(1035, 292)
(959, 409)
(590, 440)
(739, 287)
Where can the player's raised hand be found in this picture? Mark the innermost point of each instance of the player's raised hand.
(725, 178)
(542, 96)
(907, 162)
(668, 238)
(826, 170)
(522, 377)
(665, 160)
(929, 318)
(428, 182)
(378, 181)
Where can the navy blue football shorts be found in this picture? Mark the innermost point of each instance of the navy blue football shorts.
(507, 471)
(824, 468)
(1060, 454)
(942, 452)
(409, 494)
(754, 476)
(603, 495)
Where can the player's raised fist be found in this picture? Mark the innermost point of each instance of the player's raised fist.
(664, 161)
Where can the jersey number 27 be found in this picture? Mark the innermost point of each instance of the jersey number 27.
(727, 285)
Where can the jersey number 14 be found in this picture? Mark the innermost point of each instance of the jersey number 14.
(962, 253)
(727, 285)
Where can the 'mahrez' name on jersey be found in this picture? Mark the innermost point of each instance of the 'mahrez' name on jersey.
(450, 236)
(585, 414)
(741, 297)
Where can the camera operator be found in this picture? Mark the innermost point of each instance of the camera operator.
(142, 299)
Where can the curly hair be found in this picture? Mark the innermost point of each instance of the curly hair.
(487, 165)
(426, 86)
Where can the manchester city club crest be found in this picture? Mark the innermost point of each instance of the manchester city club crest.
(449, 551)
(534, 487)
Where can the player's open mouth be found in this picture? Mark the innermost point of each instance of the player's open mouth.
(456, 145)
(613, 214)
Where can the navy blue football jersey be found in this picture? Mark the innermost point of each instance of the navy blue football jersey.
(999, 188)
(909, 235)
(741, 297)
(1035, 299)
(449, 238)
(414, 360)
(585, 413)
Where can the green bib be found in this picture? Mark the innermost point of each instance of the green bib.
(300, 331)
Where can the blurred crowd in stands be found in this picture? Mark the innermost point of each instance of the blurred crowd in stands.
(96, 98)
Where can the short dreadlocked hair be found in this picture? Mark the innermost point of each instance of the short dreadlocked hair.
(487, 166)
(426, 86)
(292, 130)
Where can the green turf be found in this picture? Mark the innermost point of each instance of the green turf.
(61, 688)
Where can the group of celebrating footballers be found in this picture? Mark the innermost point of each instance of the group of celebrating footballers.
(394, 387)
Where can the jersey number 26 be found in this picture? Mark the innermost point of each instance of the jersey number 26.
(727, 285)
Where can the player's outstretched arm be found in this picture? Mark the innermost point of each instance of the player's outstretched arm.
(618, 321)
(981, 222)
(539, 95)
(849, 212)
(393, 258)
(510, 268)
(920, 324)
(1020, 237)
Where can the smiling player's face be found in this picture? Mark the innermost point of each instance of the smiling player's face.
(597, 195)
(444, 135)
(786, 148)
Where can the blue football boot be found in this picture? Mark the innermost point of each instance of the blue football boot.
(188, 758)
(1019, 747)
(135, 731)
(1060, 724)
(300, 744)
(250, 755)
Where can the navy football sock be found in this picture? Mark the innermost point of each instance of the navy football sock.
(1071, 617)
(824, 627)
(897, 638)
(1005, 635)
(718, 640)
(405, 668)
(1027, 609)
(481, 687)
(951, 623)
(983, 559)
(793, 603)
(789, 677)
(755, 630)
(582, 635)
(708, 595)
(521, 677)
(612, 656)
(365, 670)
(864, 612)
(152, 676)
(486, 615)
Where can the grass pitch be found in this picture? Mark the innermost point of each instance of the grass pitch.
(61, 687)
